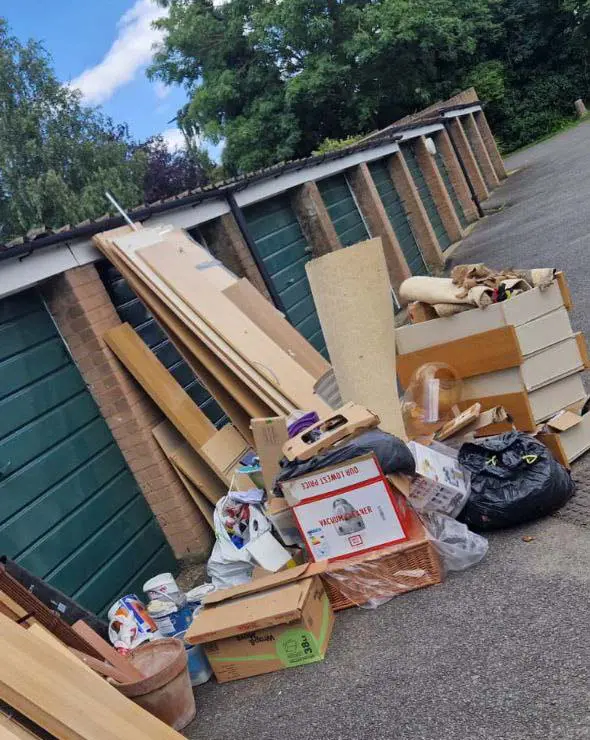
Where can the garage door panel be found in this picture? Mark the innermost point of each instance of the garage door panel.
(343, 211)
(450, 189)
(21, 334)
(19, 305)
(285, 261)
(31, 365)
(19, 489)
(83, 558)
(47, 510)
(134, 313)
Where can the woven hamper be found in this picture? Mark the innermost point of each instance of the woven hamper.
(394, 570)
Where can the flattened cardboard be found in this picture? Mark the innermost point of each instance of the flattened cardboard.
(270, 434)
(299, 642)
(575, 441)
(564, 420)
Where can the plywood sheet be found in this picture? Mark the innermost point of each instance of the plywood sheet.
(487, 352)
(233, 326)
(64, 698)
(353, 297)
(272, 322)
(181, 454)
(236, 399)
(248, 374)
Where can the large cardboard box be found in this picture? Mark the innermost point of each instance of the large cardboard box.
(270, 434)
(275, 622)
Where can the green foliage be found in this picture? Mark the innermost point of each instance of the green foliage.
(332, 145)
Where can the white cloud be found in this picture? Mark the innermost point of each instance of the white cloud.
(162, 91)
(174, 138)
(131, 50)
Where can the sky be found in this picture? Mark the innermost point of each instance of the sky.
(104, 47)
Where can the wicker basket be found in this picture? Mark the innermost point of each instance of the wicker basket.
(394, 570)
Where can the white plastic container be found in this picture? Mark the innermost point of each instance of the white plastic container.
(163, 587)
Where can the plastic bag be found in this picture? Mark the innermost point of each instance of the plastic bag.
(393, 456)
(458, 547)
(514, 479)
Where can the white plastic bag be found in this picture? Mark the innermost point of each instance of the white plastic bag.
(458, 547)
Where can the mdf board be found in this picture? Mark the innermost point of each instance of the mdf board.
(281, 246)
(545, 331)
(407, 151)
(69, 505)
(550, 364)
(517, 406)
(481, 353)
(398, 218)
(272, 322)
(516, 311)
(547, 401)
(203, 504)
(234, 327)
(186, 459)
(451, 190)
(65, 699)
(574, 441)
(352, 291)
(234, 397)
(203, 331)
(343, 210)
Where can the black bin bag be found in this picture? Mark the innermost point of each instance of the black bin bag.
(514, 479)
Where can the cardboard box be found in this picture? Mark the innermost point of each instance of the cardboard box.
(441, 484)
(270, 434)
(281, 517)
(351, 521)
(279, 621)
(517, 311)
(360, 469)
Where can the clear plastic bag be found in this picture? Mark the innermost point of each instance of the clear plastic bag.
(458, 547)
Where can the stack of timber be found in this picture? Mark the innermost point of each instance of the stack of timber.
(242, 350)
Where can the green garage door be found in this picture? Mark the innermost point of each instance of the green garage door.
(397, 215)
(450, 189)
(70, 510)
(341, 206)
(427, 199)
(284, 251)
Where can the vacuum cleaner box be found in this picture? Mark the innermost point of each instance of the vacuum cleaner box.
(351, 521)
(275, 622)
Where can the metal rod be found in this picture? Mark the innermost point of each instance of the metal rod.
(474, 197)
(236, 212)
(121, 211)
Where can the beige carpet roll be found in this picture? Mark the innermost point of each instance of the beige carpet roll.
(353, 297)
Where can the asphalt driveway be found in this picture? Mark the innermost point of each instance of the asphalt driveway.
(500, 652)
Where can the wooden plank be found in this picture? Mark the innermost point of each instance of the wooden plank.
(107, 651)
(234, 327)
(204, 506)
(583, 349)
(251, 376)
(517, 407)
(100, 667)
(486, 352)
(178, 451)
(159, 384)
(10, 729)
(50, 639)
(564, 289)
(10, 607)
(65, 698)
(272, 322)
(235, 398)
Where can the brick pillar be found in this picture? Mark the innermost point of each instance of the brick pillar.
(419, 221)
(469, 162)
(490, 144)
(83, 312)
(225, 240)
(481, 153)
(439, 192)
(314, 219)
(456, 176)
(375, 215)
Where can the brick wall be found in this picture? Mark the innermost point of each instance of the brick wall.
(83, 312)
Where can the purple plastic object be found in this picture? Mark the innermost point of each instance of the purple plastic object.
(302, 423)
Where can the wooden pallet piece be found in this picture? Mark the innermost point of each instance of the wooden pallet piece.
(234, 327)
(251, 376)
(65, 698)
(107, 652)
(235, 398)
(181, 454)
(204, 506)
(477, 354)
(272, 322)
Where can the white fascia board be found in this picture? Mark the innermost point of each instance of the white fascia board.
(413, 133)
(274, 185)
(186, 217)
(23, 272)
(462, 112)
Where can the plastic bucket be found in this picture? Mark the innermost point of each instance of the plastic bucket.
(164, 587)
(199, 669)
(166, 690)
(169, 619)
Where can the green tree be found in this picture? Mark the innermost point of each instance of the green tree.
(57, 156)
